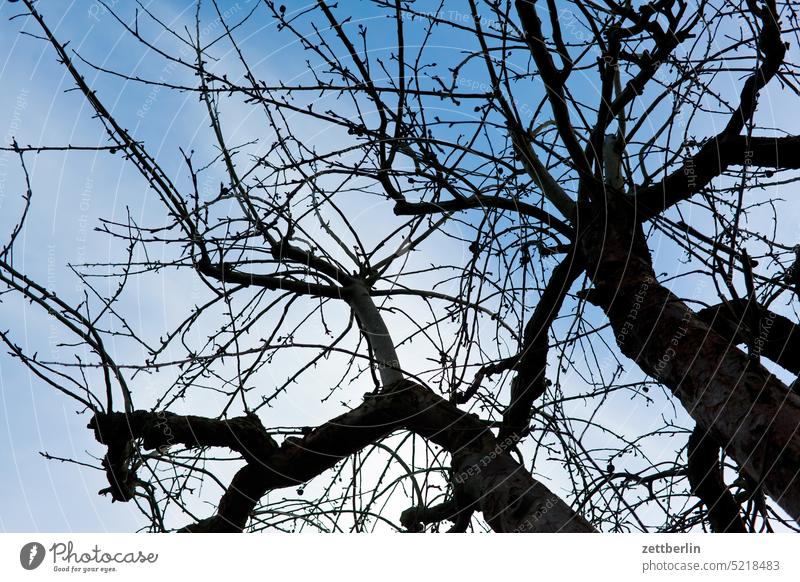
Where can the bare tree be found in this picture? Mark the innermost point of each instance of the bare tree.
(451, 206)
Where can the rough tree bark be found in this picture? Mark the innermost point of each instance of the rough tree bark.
(745, 408)
(580, 189)
(483, 472)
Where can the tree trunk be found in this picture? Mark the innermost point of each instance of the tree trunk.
(744, 408)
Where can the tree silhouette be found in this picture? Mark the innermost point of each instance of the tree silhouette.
(524, 260)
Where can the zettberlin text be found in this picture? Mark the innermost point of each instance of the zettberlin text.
(686, 548)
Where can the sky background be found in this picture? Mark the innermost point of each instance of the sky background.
(39, 495)
(72, 191)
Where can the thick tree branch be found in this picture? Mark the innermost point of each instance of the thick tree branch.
(777, 339)
(726, 147)
(415, 208)
(510, 499)
(705, 478)
(158, 430)
(414, 517)
(714, 158)
(744, 408)
(374, 329)
(541, 176)
(225, 273)
(530, 381)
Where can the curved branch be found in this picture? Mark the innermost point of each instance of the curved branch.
(725, 148)
(751, 413)
(705, 478)
(777, 339)
(714, 158)
(506, 493)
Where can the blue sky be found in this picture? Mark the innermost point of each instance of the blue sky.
(72, 191)
(39, 495)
